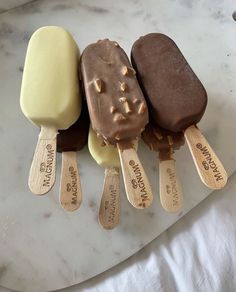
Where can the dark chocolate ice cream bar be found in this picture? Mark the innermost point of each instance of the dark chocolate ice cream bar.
(176, 99)
(165, 143)
(159, 139)
(69, 142)
(176, 96)
(76, 137)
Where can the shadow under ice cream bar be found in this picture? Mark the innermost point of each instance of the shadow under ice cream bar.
(118, 111)
(165, 143)
(49, 97)
(177, 99)
(68, 143)
(107, 156)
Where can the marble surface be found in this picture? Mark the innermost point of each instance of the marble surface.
(9, 4)
(44, 248)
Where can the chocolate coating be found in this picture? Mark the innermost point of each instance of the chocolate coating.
(159, 139)
(116, 104)
(75, 137)
(175, 95)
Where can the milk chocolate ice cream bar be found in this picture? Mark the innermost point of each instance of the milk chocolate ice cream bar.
(68, 143)
(177, 99)
(165, 143)
(117, 110)
(49, 97)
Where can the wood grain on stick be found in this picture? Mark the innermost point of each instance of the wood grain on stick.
(109, 211)
(137, 186)
(70, 186)
(209, 167)
(43, 167)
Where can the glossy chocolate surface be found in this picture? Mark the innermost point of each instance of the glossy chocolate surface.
(116, 104)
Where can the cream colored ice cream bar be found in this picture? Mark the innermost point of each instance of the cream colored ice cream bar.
(49, 91)
(107, 156)
(104, 155)
(49, 97)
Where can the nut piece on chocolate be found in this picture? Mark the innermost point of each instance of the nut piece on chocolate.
(175, 96)
(117, 108)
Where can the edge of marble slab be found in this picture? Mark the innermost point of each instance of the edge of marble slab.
(3, 288)
(135, 251)
(122, 259)
(187, 213)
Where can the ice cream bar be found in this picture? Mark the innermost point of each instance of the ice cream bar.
(104, 154)
(107, 156)
(69, 142)
(76, 136)
(49, 97)
(49, 90)
(165, 143)
(117, 110)
(176, 98)
(159, 139)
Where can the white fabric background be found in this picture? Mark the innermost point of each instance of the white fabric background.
(198, 253)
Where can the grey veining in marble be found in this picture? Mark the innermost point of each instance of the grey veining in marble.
(9, 4)
(41, 246)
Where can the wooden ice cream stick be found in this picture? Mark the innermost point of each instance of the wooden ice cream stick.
(107, 156)
(137, 185)
(70, 186)
(171, 196)
(109, 211)
(209, 167)
(43, 167)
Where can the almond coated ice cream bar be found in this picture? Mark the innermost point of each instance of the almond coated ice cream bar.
(118, 111)
(165, 143)
(161, 140)
(117, 108)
